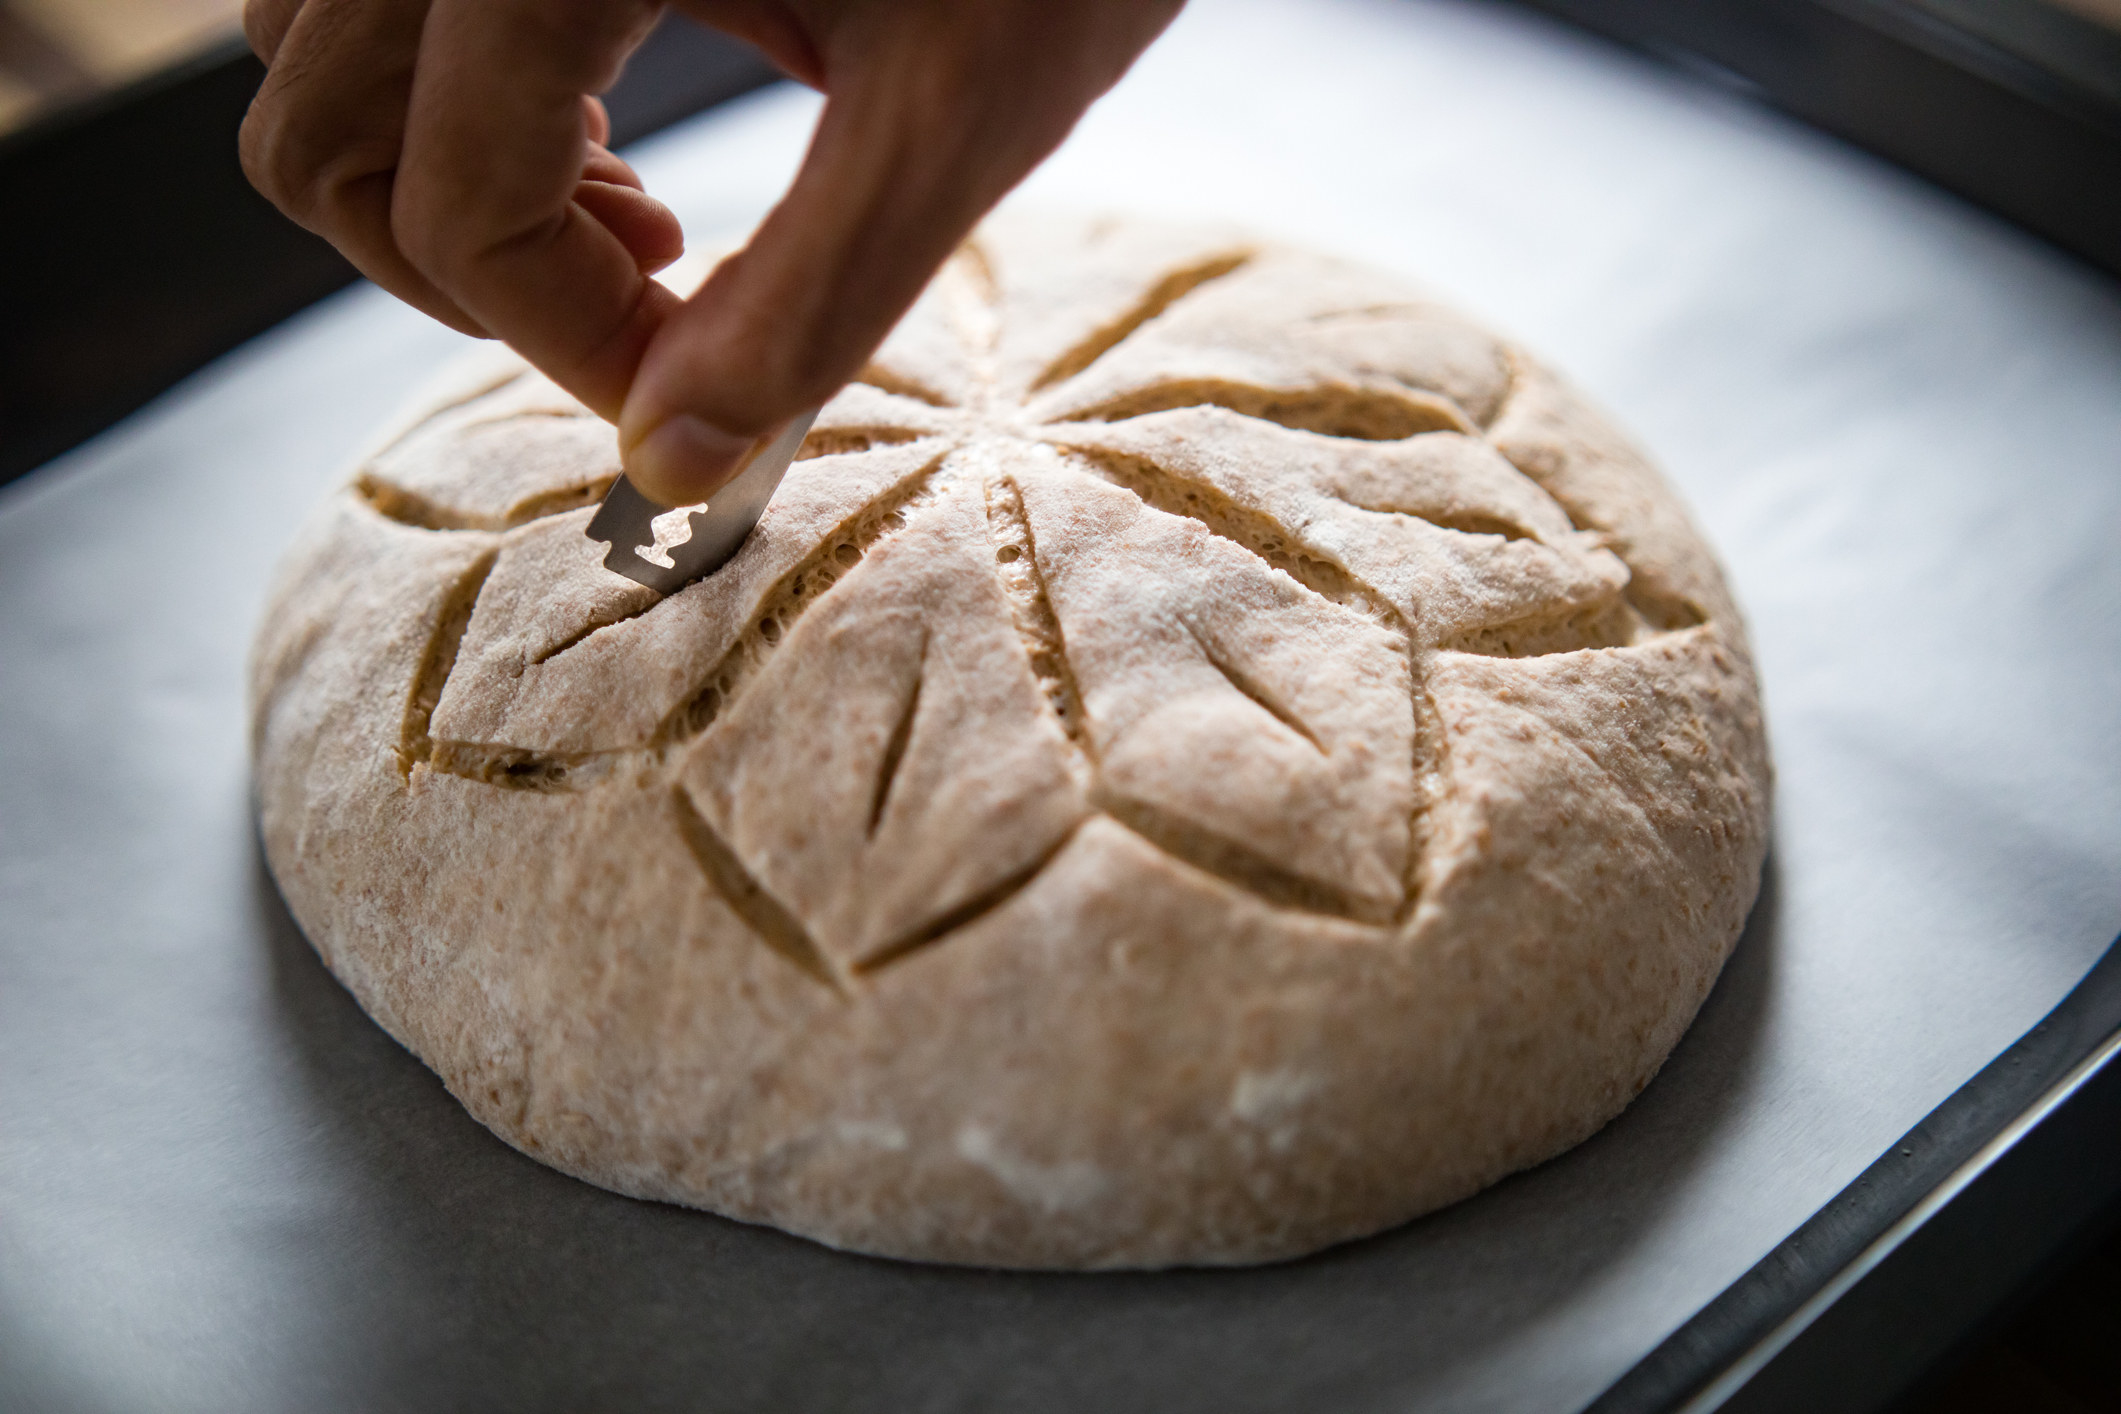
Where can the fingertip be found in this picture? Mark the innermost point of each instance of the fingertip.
(644, 226)
(685, 460)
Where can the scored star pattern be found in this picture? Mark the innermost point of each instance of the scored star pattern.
(1157, 524)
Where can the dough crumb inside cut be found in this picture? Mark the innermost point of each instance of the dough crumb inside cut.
(1210, 754)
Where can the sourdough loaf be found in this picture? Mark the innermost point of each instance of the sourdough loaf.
(1209, 754)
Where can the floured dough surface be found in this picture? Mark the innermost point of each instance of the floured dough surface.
(1208, 755)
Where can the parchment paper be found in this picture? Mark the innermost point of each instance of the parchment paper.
(222, 1189)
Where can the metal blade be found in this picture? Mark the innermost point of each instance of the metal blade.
(700, 539)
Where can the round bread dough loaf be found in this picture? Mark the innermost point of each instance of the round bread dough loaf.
(1209, 754)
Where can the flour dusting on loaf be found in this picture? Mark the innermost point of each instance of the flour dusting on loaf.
(1209, 754)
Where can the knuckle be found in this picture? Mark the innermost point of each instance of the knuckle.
(267, 160)
(306, 167)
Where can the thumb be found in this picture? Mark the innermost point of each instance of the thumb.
(916, 144)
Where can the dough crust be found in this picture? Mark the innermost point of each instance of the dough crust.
(1210, 754)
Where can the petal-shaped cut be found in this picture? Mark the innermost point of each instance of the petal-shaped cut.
(862, 416)
(938, 352)
(1239, 720)
(470, 471)
(1551, 432)
(1438, 526)
(894, 768)
(611, 687)
(1313, 331)
(1068, 290)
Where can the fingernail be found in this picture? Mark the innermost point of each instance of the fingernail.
(684, 461)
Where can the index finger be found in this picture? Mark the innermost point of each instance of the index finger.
(483, 200)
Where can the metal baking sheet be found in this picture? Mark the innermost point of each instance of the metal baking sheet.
(222, 1189)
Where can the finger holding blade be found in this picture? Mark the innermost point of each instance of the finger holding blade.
(668, 548)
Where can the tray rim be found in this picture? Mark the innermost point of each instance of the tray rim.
(1999, 1168)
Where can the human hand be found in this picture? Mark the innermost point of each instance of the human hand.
(453, 151)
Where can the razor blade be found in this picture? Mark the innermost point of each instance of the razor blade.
(668, 548)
